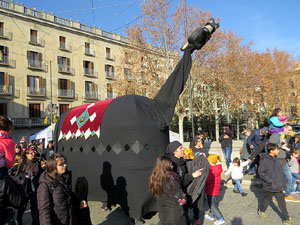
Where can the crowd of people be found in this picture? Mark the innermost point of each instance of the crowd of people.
(270, 153)
(182, 180)
(30, 173)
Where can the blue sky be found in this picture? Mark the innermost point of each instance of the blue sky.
(267, 23)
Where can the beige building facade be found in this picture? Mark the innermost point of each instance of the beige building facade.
(46, 59)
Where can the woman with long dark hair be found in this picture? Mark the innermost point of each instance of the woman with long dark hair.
(165, 186)
(54, 192)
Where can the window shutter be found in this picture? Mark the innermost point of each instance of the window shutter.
(40, 82)
(93, 87)
(58, 59)
(40, 55)
(5, 78)
(92, 65)
(68, 61)
(59, 83)
(5, 51)
(68, 85)
(28, 54)
(28, 81)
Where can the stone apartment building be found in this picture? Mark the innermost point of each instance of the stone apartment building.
(46, 59)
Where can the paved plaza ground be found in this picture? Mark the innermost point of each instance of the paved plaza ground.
(237, 210)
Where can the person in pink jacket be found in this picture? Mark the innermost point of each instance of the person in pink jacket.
(7, 145)
(213, 184)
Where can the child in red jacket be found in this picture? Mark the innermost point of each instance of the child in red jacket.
(213, 184)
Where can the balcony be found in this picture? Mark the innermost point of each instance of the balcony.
(64, 93)
(109, 75)
(6, 90)
(37, 65)
(5, 61)
(32, 91)
(36, 41)
(65, 69)
(89, 52)
(91, 95)
(90, 73)
(109, 95)
(6, 35)
(28, 122)
(65, 47)
(110, 57)
(129, 77)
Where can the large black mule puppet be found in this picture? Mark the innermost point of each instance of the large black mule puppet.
(114, 143)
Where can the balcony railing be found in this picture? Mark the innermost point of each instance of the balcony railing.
(28, 122)
(32, 91)
(36, 41)
(65, 69)
(109, 74)
(110, 57)
(6, 35)
(65, 47)
(90, 95)
(33, 12)
(90, 72)
(37, 65)
(5, 61)
(89, 52)
(129, 77)
(63, 93)
(109, 95)
(6, 90)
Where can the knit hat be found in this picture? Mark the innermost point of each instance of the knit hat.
(189, 153)
(213, 158)
(172, 147)
(275, 139)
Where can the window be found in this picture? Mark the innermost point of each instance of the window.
(3, 79)
(35, 85)
(64, 84)
(63, 108)
(88, 67)
(62, 42)
(63, 64)
(35, 59)
(3, 109)
(109, 70)
(88, 86)
(34, 110)
(1, 29)
(4, 55)
(109, 91)
(33, 36)
(87, 47)
(108, 56)
(64, 88)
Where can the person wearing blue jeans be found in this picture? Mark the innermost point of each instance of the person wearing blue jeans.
(294, 167)
(226, 145)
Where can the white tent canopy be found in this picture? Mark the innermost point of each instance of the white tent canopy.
(43, 134)
(174, 136)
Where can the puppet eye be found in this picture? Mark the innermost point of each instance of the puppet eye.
(81, 149)
(93, 149)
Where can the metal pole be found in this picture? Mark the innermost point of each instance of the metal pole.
(51, 105)
(190, 78)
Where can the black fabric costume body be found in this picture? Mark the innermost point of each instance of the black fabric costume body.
(134, 131)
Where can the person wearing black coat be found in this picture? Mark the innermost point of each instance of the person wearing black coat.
(54, 193)
(175, 153)
(274, 182)
(29, 173)
(165, 187)
(11, 196)
(226, 145)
